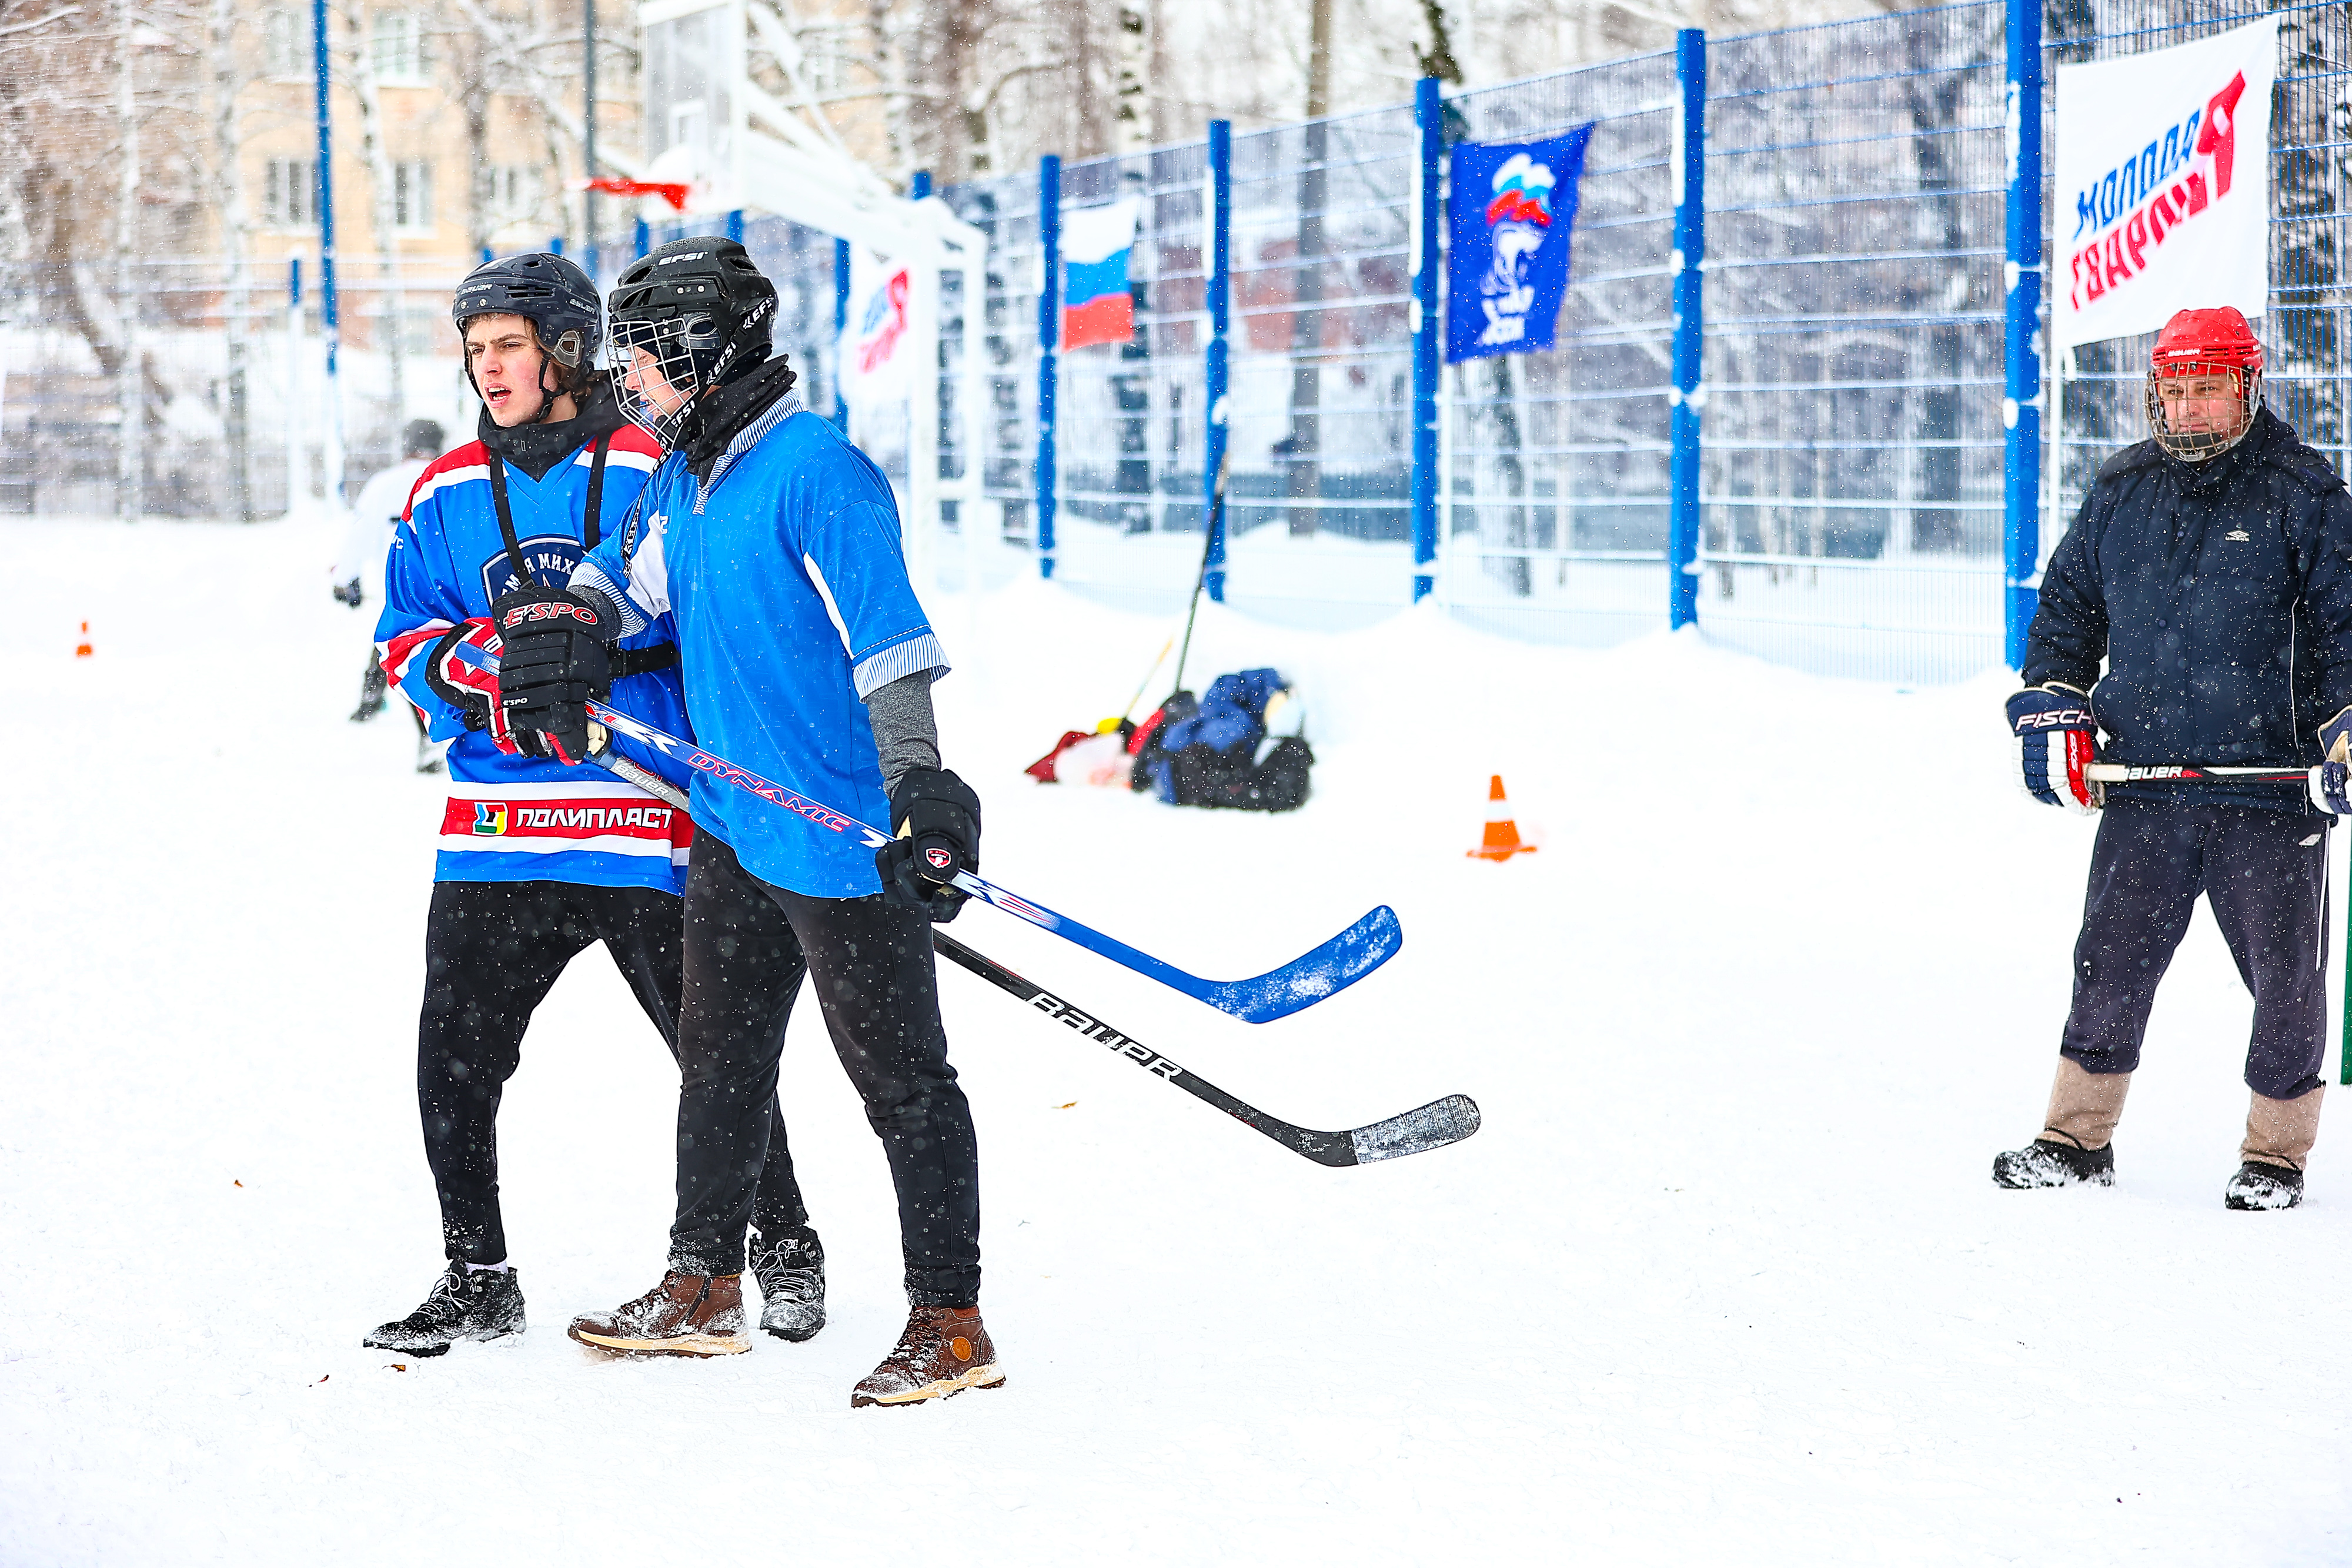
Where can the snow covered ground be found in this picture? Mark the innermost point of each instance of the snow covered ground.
(1723, 1279)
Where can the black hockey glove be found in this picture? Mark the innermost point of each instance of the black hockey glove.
(937, 818)
(349, 593)
(553, 658)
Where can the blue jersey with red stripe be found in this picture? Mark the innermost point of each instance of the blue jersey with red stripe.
(512, 818)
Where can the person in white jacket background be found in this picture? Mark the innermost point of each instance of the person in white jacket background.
(357, 571)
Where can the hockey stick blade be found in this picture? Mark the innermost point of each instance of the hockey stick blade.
(1301, 983)
(1433, 1127)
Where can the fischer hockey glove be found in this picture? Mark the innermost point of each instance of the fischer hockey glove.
(937, 818)
(2331, 781)
(555, 658)
(2057, 740)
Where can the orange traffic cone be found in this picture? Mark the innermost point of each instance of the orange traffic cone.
(82, 650)
(1502, 840)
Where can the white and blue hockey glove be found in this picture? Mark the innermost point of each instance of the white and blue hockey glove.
(2057, 741)
(2331, 781)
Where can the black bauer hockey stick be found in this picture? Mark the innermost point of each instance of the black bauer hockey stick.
(2187, 773)
(1434, 1125)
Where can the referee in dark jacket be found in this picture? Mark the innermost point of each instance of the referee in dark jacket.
(2209, 569)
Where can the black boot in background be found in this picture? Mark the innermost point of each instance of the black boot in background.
(790, 1267)
(372, 686)
(464, 1303)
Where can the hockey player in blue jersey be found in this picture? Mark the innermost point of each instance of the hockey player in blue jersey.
(769, 546)
(537, 862)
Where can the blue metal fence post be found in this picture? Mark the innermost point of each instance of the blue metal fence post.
(840, 331)
(1428, 120)
(2020, 404)
(298, 483)
(643, 239)
(329, 309)
(1217, 421)
(918, 188)
(735, 225)
(1688, 395)
(1049, 321)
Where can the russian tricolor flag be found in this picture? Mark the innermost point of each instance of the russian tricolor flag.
(1096, 305)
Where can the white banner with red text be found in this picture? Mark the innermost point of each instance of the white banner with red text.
(2161, 201)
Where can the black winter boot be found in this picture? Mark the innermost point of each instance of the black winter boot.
(372, 686)
(2261, 1185)
(789, 1267)
(464, 1303)
(2046, 1162)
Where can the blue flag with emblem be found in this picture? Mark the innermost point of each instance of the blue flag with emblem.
(1513, 208)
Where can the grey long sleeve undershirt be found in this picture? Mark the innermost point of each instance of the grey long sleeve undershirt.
(906, 732)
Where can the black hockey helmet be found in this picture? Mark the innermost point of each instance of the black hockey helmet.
(702, 311)
(555, 295)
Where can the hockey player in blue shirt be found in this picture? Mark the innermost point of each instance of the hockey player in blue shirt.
(771, 546)
(537, 862)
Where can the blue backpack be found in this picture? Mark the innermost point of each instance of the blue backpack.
(1207, 753)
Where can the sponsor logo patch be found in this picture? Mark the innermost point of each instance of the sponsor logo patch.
(940, 859)
(565, 820)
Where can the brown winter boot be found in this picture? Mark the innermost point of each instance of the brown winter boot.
(2084, 1106)
(2075, 1145)
(2281, 1132)
(944, 1351)
(2279, 1136)
(686, 1314)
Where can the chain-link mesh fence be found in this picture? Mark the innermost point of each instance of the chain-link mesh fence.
(1555, 515)
(1850, 480)
(1852, 490)
(228, 382)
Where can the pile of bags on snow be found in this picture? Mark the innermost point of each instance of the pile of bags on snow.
(1241, 746)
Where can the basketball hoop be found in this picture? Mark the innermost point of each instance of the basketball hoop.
(614, 186)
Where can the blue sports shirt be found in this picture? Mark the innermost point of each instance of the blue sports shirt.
(785, 585)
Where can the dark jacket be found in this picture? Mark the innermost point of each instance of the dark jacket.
(2219, 594)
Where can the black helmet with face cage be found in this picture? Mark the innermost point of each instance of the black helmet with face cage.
(701, 311)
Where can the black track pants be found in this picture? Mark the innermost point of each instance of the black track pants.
(491, 951)
(746, 945)
(2265, 875)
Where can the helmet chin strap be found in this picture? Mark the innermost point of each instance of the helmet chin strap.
(547, 394)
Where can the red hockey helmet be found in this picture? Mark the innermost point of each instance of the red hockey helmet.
(2216, 342)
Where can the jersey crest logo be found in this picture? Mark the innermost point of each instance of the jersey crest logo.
(489, 818)
(550, 557)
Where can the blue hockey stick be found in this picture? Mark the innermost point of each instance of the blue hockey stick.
(1301, 983)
